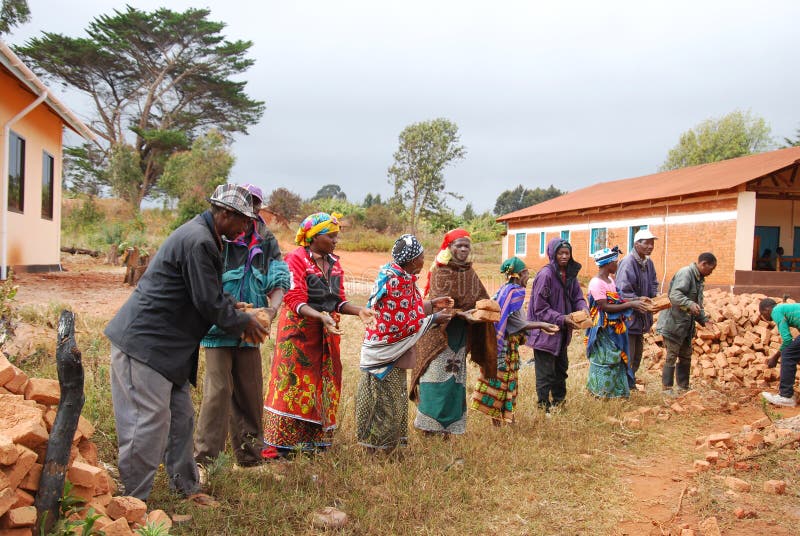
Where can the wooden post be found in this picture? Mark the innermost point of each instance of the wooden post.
(70, 379)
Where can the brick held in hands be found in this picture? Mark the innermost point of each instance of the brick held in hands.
(659, 303)
(582, 319)
(487, 305)
(263, 317)
(482, 315)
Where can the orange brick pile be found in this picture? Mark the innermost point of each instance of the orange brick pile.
(736, 450)
(733, 352)
(27, 412)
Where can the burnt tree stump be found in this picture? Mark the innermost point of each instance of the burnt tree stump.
(70, 379)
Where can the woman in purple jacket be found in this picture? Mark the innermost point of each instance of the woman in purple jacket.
(556, 293)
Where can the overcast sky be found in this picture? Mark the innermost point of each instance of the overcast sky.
(563, 93)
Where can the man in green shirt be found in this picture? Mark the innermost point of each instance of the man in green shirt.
(785, 315)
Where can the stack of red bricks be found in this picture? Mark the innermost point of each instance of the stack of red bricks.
(733, 351)
(27, 412)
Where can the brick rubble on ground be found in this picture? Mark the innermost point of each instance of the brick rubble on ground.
(27, 412)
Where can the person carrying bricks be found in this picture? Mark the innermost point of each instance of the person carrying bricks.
(785, 316)
(677, 324)
(636, 278)
(155, 340)
(233, 392)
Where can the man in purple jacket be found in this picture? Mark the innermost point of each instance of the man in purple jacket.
(636, 277)
(556, 293)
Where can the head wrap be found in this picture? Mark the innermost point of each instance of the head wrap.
(512, 267)
(444, 256)
(318, 223)
(406, 249)
(606, 255)
(255, 191)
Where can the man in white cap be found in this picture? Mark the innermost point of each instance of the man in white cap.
(155, 340)
(636, 278)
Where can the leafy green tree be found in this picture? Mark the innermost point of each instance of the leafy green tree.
(13, 13)
(329, 191)
(157, 80)
(788, 142)
(125, 171)
(736, 134)
(371, 200)
(285, 203)
(417, 174)
(191, 176)
(521, 197)
(469, 213)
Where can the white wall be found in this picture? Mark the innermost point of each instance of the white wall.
(778, 213)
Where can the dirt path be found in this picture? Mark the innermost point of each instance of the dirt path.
(663, 487)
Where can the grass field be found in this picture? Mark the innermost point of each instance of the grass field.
(559, 475)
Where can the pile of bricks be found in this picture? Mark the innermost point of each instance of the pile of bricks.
(27, 412)
(733, 351)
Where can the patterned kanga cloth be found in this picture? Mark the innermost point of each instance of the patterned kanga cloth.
(304, 385)
(442, 405)
(496, 397)
(382, 410)
(607, 351)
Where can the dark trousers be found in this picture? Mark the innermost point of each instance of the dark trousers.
(551, 376)
(678, 363)
(635, 348)
(789, 358)
(233, 399)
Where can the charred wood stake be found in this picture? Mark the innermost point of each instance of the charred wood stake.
(70, 379)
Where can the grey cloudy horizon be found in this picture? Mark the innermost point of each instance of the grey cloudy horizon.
(568, 93)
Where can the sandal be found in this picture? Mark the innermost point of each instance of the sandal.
(203, 500)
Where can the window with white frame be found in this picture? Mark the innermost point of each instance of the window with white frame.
(520, 243)
(632, 230)
(599, 239)
(542, 237)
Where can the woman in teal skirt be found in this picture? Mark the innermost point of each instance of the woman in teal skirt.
(610, 375)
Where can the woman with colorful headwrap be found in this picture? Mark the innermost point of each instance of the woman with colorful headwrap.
(610, 374)
(306, 374)
(440, 376)
(389, 348)
(496, 396)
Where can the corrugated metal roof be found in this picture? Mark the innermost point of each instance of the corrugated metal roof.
(21, 71)
(714, 177)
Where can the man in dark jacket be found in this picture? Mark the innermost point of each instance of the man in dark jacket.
(556, 293)
(676, 324)
(154, 344)
(636, 278)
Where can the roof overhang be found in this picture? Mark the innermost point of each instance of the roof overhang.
(11, 62)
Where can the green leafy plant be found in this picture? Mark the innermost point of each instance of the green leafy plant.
(153, 529)
(71, 504)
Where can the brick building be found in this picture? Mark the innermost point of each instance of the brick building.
(735, 208)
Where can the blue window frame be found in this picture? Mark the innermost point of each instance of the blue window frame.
(632, 230)
(520, 243)
(598, 240)
(542, 237)
(565, 235)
